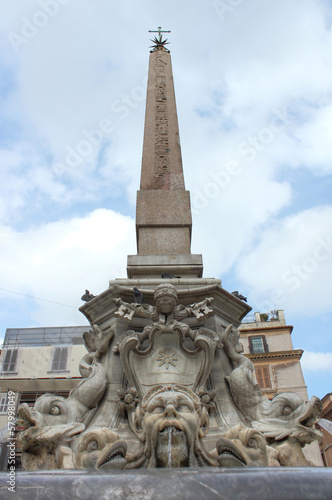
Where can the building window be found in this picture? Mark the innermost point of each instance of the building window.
(9, 364)
(258, 344)
(3, 404)
(263, 377)
(60, 357)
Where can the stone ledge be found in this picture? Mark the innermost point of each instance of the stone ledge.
(273, 483)
(181, 283)
(166, 260)
(152, 266)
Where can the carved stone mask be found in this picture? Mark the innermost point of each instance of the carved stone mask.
(172, 426)
(241, 447)
(101, 449)
(54, 410)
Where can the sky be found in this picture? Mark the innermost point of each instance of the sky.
(253, 83)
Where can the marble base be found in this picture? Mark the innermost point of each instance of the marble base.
(152, 266)
(167, 484)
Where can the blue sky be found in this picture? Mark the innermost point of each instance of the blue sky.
(253, 85)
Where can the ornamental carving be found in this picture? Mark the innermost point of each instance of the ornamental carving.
(149, 397)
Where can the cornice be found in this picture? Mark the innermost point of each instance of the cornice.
(277, 355)
(258, 328)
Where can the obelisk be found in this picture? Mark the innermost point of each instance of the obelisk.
(163, 213)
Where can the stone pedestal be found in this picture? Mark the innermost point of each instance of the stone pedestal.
(163, 222)
(153, 266)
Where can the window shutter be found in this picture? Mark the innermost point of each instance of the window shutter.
(10, 360)
(263, 377)
(3, 455)
(13, 361)
(3, 404)
(266, 376)
(56, 357)
(60, 357)
(259, 376)
(63, 358)
(250, 346)
(266, 347)
(5, 365)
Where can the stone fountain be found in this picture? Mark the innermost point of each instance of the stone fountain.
(164, 382)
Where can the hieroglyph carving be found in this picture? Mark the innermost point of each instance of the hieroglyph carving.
(161, 144)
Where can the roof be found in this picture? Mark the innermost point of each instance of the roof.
(325, 424)
(33, 337)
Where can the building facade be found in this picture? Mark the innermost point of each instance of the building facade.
(39, 360)
(325, 425)
(268, 344)
(34, 361)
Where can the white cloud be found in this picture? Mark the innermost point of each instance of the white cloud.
(57, 261)
(231, 77)
(316, 361)
(292, 260)
(23, 172)
(68, 81)
(229, 214)
(316, 135)
(237, 75)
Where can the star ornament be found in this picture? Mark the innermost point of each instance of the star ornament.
(159, 42)
(167, 358)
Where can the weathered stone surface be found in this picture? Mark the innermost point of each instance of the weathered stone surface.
(163, 214)
(168, 484)
(162, 161)
(166, 383)
(163, 208)
(153, 266)
(163, 240)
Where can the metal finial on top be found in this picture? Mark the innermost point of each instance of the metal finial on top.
(159, 42)
(160, 31)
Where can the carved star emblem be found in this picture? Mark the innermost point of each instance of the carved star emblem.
(159, 42)
(167, 358)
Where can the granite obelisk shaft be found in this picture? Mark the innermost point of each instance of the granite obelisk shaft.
(163, 216)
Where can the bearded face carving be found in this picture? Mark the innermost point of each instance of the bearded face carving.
(172, 420)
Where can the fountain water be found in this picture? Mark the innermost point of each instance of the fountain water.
(170, 432)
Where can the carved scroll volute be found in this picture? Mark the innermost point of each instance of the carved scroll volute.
(208, 341)
(128, 344)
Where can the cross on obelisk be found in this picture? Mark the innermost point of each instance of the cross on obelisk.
(159, 31)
